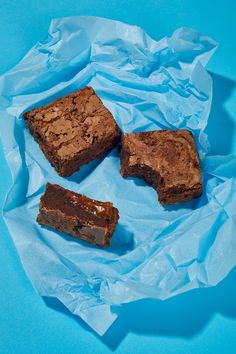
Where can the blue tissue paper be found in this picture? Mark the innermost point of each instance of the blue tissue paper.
(156, 252)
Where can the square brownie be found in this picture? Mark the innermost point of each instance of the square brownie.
(73, 130)
(77, 215)
(167, 160)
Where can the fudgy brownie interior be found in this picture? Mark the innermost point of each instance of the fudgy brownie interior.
(77, 215)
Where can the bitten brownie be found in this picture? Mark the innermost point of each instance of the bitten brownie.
(73, 130)
(77, 215)
(168, 160)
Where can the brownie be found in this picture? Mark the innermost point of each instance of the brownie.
(167, 160)
(77, 215)
(73, 130)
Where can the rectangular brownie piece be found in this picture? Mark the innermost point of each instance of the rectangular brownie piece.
(73, 130)
(77, 215)
(168, 160)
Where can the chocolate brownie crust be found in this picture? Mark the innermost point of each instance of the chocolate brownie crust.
(73, 130)
(77, 215)
(167, 160)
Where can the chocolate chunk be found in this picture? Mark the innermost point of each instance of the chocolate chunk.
(77, 215)
(73, 130)
(167, 160)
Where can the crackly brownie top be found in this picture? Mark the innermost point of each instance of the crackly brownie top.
(172, 154)
(77, 205)
(72, 123)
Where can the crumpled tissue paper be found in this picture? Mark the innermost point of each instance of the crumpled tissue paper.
(156, 252)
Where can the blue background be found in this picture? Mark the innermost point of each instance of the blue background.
(201, 321)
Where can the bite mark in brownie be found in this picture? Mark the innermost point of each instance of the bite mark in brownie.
(167, 160)
(73, 130)
(72, 213)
